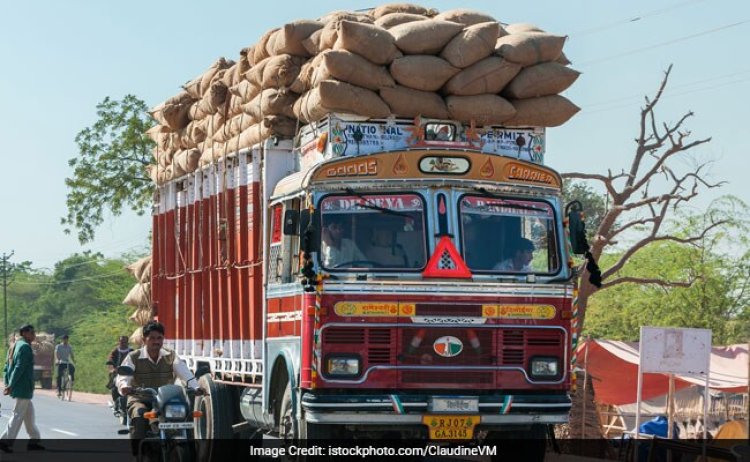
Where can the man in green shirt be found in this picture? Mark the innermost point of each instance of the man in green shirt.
(19, 384)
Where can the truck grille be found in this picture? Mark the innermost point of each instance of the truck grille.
(447, 377)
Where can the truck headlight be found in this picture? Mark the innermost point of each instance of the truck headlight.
(545, 367)
(342, 366)
(175, 411)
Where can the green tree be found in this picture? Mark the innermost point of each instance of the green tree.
(109, 172)
(708, 288)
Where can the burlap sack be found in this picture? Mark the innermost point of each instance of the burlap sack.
(177, 171)
(312, 43)
(249, 137)
(288, 39)
(332, 96)
(425, 37)
(232, 107)
(245, 90)
(181, 97)
(522, 27)
(530, 48)
(562, 59)
(214, 123)
(303, 82)
(142, 316)
(540, 80)
(254, 75)
(270, 102)
(136, 339)
(328, 35)
(489, 75)
(406, 102)
(341, 15)
(259, 50)
(472, 44)
(173, 115)
(390, 8)
(422, 72)
(482, 109)
(236, 72)
(187, 162)
(234, 127)
(281, 70)
(351, 68)
(139, 295)
(157, 133)
(194, 133)
(164, 158)
(394, 19)
(200, 84)
(465, 17)
(137, 268)
(547, 111)
(367, 40)
(212, 99)
(282, 126)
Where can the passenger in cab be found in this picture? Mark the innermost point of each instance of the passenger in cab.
(520, 261)
(336, 249)
(385, 251)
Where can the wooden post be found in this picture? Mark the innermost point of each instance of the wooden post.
(670, 407)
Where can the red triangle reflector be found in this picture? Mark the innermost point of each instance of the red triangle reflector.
(446, 262)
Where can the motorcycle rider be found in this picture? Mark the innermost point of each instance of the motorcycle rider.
(115, 358)
(153, 367)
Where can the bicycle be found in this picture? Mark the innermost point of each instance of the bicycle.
(66, 385)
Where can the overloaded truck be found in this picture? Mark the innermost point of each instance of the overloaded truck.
(399, 276)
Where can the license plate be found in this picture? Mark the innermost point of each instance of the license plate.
(451, 427)
(454, 405)
(175, 425)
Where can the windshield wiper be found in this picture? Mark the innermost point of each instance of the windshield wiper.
(510, 204)
(369, 205)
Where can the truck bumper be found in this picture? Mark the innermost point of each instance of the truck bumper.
(493, 410)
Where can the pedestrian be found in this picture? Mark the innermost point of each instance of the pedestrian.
(19, 384)
(64, 359)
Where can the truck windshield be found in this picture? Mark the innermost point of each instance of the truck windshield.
(384, 231)
(508, 235)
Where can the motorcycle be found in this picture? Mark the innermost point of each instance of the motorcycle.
(169, 434)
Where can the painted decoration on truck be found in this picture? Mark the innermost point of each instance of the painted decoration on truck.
(519, 311)
(350, 138)
(398, 202)
(491, 206)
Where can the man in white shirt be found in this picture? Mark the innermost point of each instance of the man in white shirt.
(520, 262)
(335, 249)
(153, 367)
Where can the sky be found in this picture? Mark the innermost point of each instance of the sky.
(59, 59)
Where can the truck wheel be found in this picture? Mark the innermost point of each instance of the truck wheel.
(305, 430)
(47, 383)
(216, 406)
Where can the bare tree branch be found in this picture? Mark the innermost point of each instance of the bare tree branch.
(654, 281)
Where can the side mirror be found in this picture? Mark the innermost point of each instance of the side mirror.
(125, 370)
(576, 228)
(309, 233)
(291, 220)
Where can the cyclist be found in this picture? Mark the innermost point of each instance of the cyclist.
(64, 359)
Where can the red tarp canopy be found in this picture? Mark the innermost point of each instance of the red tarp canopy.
(613, 366)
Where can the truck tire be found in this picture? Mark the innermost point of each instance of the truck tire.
(216, 406)
(305, 430)
(47, 383)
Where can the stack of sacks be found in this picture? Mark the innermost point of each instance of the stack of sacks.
(397, 59)
(140, 297)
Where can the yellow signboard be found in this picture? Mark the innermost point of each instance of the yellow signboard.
(519, 311)
(366, 309)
